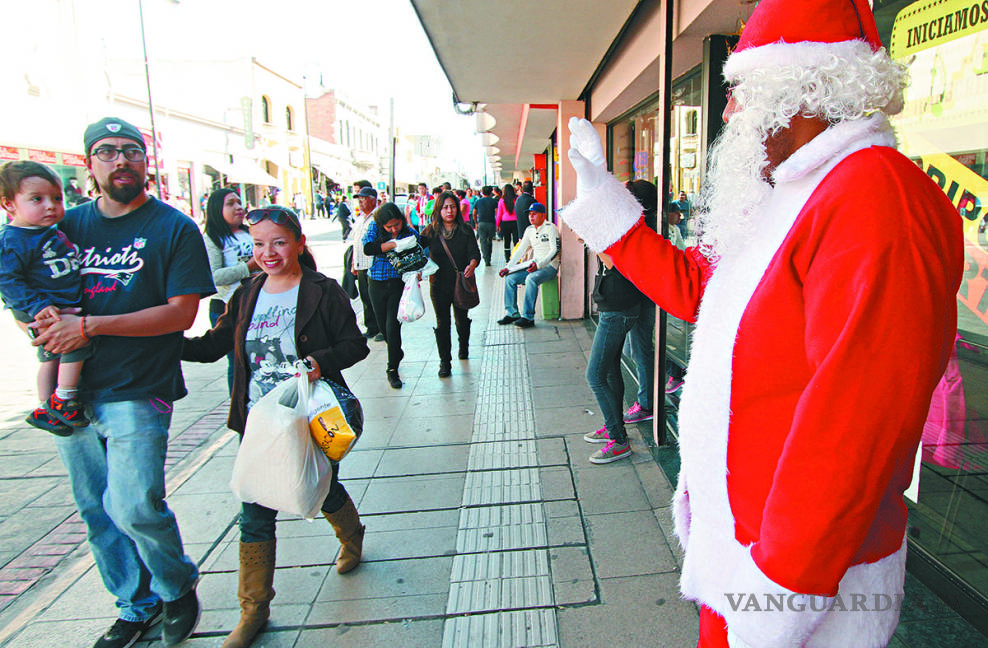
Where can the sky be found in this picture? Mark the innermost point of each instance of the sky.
(370, 50)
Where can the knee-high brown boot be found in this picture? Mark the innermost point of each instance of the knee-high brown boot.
(255, 591)
(349, 531)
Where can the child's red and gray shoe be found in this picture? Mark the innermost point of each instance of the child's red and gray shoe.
(40, 419)
(68, 411)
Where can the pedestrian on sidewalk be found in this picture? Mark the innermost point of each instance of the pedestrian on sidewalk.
(230, 252)
(798, 433)
(506, 221)
(619, 304)
(641, 337)
(286, 312)
(367, 204)
(542, 238)
(485, 213)
(388, 231)
(447, 236)
(145, 269)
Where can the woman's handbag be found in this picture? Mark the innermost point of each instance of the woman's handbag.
(410, 260)
(465, 294)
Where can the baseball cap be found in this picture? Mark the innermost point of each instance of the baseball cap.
(368, 192)
(111, 127)
(537, 207)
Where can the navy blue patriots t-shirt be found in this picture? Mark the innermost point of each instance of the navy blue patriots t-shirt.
(130, 263)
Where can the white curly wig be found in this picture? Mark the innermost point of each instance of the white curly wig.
(772, 84)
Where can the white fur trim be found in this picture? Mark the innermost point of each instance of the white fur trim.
(802, 54)
(713, 555)
(604, 215)
(681, 511)
(864, 613)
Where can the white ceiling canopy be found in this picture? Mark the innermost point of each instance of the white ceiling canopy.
(513, 54)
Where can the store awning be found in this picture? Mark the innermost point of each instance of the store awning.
(244, 173)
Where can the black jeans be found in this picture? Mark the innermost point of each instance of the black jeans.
(442, 300)
(385, 296)
(509, 232)
(370, 320)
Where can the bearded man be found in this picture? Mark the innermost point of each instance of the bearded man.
(144, 270)
(821, 331)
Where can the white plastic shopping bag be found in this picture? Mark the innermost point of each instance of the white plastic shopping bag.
(279, 465)
(412, 306)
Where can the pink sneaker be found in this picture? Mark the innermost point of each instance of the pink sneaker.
(636, 413)
(611, 452)
(600, 436)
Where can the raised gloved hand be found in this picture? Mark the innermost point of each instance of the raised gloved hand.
(586, 154)
(406, 243)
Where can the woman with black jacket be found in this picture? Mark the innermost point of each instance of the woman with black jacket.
(287, 312)
(618, 305)
(447, 230)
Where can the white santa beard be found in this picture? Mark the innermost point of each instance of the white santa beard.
(735, 185)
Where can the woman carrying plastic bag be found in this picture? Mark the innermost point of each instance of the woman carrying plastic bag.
(285, 313)
(394, 245)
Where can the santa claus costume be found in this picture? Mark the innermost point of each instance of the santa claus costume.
(818, 344)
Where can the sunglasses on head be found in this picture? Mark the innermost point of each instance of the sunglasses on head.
(277, 215)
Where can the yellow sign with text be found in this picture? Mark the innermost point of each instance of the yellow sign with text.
(969, 193)
(929, 23)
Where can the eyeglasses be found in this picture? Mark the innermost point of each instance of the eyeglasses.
(277, 215)
(110, 153)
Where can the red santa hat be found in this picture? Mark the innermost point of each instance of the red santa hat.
(803, 33)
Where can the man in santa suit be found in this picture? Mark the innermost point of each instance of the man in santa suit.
(823, 291)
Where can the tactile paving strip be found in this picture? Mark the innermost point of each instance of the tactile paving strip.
(501, 561)
(530, 628)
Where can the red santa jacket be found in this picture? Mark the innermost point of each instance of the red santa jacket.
(816, 351)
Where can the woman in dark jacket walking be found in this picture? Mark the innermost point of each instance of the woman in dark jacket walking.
(288, 312)
(619, 305)
(447, 230)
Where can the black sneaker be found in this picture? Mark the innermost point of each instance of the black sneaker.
(524, 323)
(40, 419)
(123, 634)
(379, 337)
(393, 379)
(445, 370)
(507, 319)
(181, 618)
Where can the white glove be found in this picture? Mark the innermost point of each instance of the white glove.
(586, 155)
(406, 243)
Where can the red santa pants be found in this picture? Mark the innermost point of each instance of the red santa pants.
(713, 629)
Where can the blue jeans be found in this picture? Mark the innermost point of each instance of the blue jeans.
(532, 280)
(604, 368)
(116, 468)
(642, 351)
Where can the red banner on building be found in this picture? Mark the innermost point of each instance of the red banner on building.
(71, 159)
(9, 153)
(45, 157)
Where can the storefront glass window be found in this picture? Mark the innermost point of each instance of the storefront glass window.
(944, 129)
